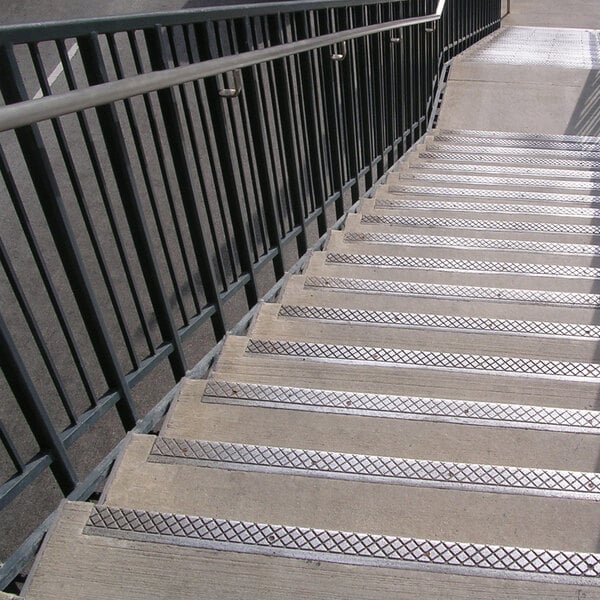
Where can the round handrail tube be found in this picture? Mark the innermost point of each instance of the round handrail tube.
(26, 113)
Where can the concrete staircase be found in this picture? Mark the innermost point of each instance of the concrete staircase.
(417, 417)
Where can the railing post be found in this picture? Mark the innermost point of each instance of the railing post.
(168, 106)
(119, 159)
(34, 411)
(51, 202)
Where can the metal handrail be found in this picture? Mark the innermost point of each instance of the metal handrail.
(38, 32)
(33, 111)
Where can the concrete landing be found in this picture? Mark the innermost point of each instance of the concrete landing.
(556, 91)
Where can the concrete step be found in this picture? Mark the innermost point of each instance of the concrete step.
(142, 555)
(423, 331)
(551, 175)
(506, 150)
(383, 495)
(208, 466)
(512, 135)
(473, 248)
(579, 188)
(517, 161)
(590, 146)
(464, 301)
(382, 423)
(584, 238)
(497, 378)
(421, 269)
(414, 200)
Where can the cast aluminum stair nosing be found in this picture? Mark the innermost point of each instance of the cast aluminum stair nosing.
(504, 170)
(455, 292)
(576, 331)
(484, 180)
(429, 241)
(481, 225)
(376, 469)
(416, 359)
(457, 412)
(462, 266)
(480, 207)
(521, 196)
(369, 549)
(525, 161)
(501, 150)
(593, 148)
(513, 135)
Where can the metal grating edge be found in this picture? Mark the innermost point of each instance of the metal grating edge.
(429, 241)
(481, 225)
(447, 361)
(454, 265)
(521, 328)
(461, 412)
(459, 292)
(523, 196)
(344, 547)
(481, 207)
(376, 469)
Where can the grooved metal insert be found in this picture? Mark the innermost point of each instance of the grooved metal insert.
(459, 292)
(471, 243)
(545, 46)
(447, 322)
(478, 224)
(513, 160)
(481, 207)
(377, 469)
(506, 150)
(487, 414)
(343, 547)
(462, 266)
(513, 135)
(448, 361)
(483, 180)
(504, 170)
(529, 144)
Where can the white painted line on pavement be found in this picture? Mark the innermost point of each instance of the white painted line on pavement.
(56, 73)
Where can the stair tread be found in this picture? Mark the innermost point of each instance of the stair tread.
(305, 497)
(156, 569)
(309, 362)
(426, 332)
(451, 272)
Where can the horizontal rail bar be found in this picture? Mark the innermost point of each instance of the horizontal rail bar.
(39, 32)
(32, 111)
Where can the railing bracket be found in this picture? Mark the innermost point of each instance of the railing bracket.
(339, 56)
(233, 92)
(398, 38)
(431, 28)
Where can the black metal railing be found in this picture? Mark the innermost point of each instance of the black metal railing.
(145, 215)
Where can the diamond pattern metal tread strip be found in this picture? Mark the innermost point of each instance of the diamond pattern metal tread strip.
(564, 48)
(513, 135)
(344, 547)
(478, 207)
(448, 361)
(507, 170)
(482, 225)
(530, 161)
(470, 243)
(592, 148)
(506, 150)
(462, 266)
(377, 469)
(485, 180)
(487, 414)
(459, 292)
(446, 322)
